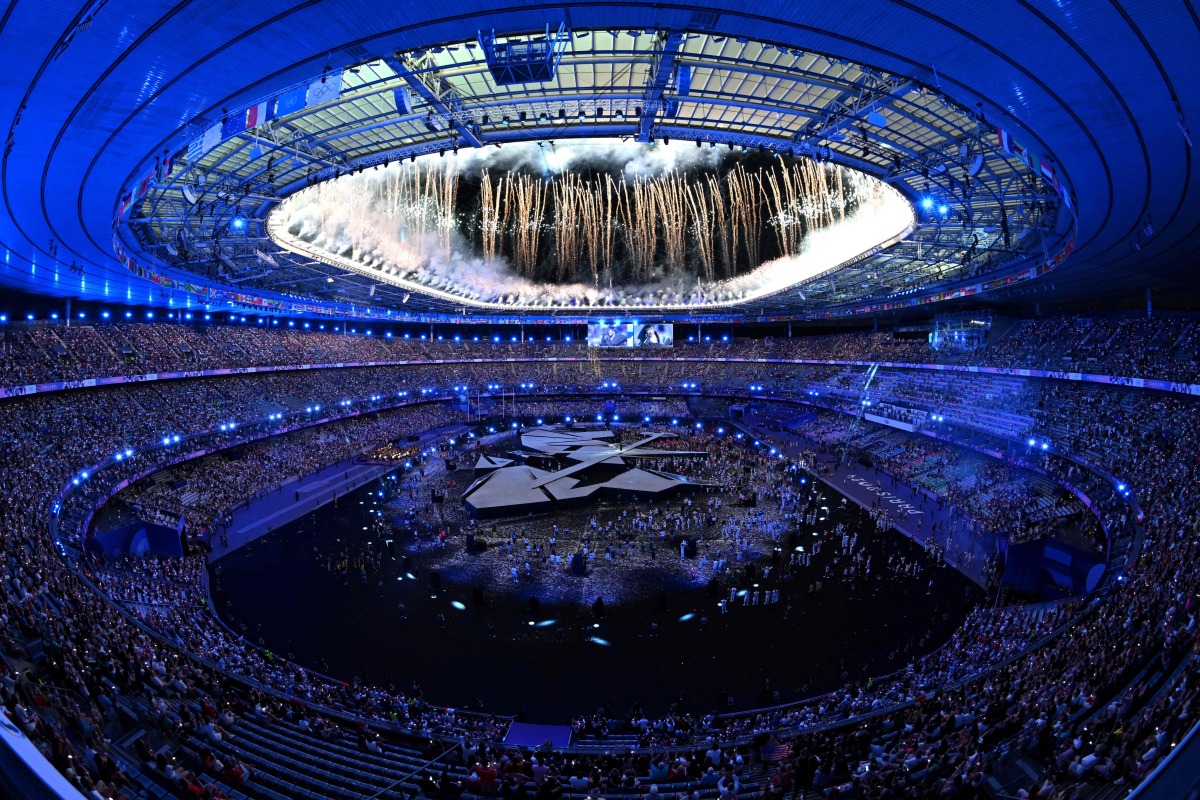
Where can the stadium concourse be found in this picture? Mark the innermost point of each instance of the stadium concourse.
(632, 400)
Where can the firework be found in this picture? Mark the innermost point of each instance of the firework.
(521, 231)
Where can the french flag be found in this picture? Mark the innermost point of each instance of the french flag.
(259, 114)
(1003, 139)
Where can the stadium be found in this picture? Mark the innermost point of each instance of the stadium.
(647, 401)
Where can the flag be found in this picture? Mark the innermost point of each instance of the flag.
(144, 186)
(776, 752)
(1033, 162)
(203, 143)
(1051, 175)
(324, 90)
(126, 202)
(232, 125)
(290, 102)
(162, 169)
(259, 114)
(1003, 140)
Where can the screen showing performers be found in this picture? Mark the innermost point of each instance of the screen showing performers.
(630, 334)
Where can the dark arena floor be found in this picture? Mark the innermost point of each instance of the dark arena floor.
(329, 590)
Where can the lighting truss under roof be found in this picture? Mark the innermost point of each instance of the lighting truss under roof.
(989, 215)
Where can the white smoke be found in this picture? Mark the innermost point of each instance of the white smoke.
(631, 159)
(345, 222)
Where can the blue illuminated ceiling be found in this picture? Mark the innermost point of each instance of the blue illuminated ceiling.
(92, 95)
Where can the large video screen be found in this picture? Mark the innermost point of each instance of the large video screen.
(630, 334)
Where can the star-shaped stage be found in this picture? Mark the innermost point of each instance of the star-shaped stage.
(567, 468)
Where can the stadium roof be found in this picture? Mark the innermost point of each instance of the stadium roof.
(1071, 117)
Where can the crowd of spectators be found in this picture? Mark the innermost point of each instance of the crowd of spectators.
(995, 498)
(1165, 348)
(1085, 707)
(206, 490)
